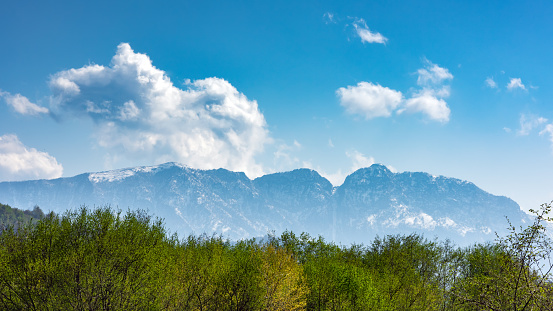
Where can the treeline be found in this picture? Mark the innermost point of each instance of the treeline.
(10, 216)
(103, 259)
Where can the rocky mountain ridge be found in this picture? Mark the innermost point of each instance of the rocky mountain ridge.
(371, 201)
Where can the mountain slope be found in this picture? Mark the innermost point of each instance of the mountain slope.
(371, 201)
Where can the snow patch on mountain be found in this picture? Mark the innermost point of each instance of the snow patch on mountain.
(120, 174)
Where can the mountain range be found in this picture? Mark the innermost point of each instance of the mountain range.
(372, 201)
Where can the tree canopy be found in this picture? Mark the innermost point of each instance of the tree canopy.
(104, 259)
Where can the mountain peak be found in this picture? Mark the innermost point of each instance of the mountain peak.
(379, 167)
(375, 170)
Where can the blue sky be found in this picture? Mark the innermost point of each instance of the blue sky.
(454, 88)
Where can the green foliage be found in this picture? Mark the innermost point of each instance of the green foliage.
(514, 274)
(14, 217)
(83, 260)
(407, 270)
(103, 259)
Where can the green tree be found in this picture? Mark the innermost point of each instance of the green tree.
(84, 260)
(407, 271)
(514, 274)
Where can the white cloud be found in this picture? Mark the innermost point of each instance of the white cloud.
(491, 83)
(330, 144)
(528, 123)
(366, 35)
(18, 162)
(432, 75)
(515, 83)
(141, 114)
(22, 105)
(369, 100)
(129, 111)
(429, 100)
(426, 102)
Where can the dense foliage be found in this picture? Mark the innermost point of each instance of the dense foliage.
(103, 259)
(10, 216)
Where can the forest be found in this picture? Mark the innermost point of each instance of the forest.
(106, 259)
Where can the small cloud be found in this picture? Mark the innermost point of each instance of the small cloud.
(515, 83)
(365, 34)
(490, 83)
(426, 102)
(22, 105)
(429, 100)
(297, 144)
(18, 162)
(507, 130)
(432, 74)
(528, 123)
(329, 18)
(369, 100)
(330, 144)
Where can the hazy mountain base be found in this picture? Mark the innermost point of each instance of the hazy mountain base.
(104, 260)
(14, 217)
(372, 201)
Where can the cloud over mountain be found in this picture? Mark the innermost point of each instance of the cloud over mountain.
(19, 162)
(140, 113)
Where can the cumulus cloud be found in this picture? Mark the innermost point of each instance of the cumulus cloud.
(140, 113)
(366, 34)
(18, 162)
(515, 83)
(22, 104)
(429, 99)
(369, 100)
(373, 100)
(528, 123)
(490, 83)
(426, 102)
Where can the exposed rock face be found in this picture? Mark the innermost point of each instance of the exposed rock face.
(372, 201)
